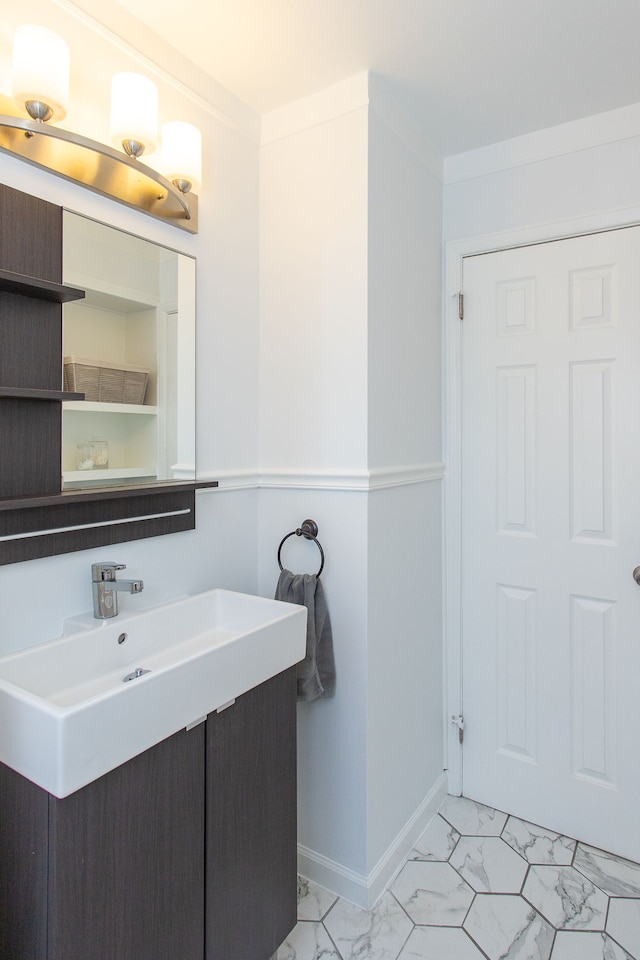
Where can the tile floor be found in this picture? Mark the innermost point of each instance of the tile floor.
(481, 885)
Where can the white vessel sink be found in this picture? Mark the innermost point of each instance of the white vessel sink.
(67, 716)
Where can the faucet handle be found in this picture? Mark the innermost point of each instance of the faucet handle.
(105, 571)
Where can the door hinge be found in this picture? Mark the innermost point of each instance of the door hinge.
(458, 721)
(461, 305)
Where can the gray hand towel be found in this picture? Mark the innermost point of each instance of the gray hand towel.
(317, 672)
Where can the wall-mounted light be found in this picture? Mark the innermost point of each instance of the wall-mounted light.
(40, 85)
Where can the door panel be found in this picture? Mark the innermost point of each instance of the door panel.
(551, 534)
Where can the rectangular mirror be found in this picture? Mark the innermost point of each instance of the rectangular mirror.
(129, 346)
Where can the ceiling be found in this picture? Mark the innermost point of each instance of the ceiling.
(469, 72)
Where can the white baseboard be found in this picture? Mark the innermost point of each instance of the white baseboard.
(365, 890)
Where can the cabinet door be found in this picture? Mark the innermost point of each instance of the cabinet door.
(251, 823)
(126, 860)
(23, 868)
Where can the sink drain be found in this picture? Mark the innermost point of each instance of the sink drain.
(138, 672)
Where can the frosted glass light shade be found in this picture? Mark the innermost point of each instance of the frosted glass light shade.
(182, 153)
(41, 68)
(134, 110)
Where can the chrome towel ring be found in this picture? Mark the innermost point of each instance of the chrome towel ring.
(309, 530)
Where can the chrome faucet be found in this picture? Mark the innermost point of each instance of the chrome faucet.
(105, 587)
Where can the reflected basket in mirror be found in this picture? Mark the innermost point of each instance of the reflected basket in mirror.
(104, 382)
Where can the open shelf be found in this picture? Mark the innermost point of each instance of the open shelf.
(29, 393)
(92, 406)
(40, 289)
(108, 475)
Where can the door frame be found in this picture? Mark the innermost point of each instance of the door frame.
(455, 252)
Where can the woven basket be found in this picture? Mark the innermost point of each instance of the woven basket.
(105, 382)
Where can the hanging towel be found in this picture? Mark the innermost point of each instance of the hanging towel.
(317, 672)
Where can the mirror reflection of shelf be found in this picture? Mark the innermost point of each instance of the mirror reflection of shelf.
(130, 430)
(101, 477)
(92, 406)
(137, 316)
(114, 297)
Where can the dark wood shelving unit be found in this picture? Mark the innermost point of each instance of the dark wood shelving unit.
(38, 518)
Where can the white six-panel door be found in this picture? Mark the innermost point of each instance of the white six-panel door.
(551, 535)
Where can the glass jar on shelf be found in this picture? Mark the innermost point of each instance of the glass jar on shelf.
(93, 454)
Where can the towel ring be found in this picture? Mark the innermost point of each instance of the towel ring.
(309, 530)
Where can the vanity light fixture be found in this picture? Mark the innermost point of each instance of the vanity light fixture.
(40, 85)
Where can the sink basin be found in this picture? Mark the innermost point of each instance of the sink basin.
(68, 715)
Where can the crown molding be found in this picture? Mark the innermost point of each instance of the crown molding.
(566, 138)
(115, 25)
(318, 108)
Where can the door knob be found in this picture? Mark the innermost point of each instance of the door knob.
(636, 575)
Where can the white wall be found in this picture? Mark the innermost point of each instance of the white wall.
(404, 279)
(349, 412)
(313, 269)
(573, 172)
(404, 714)
(36, 596)
(313, 433)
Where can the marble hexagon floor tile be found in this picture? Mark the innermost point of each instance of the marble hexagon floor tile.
(377, 934)
(570, 945)
(614, 875)
(471, 818)
(313, 900)
(308, 941)
(460, 896)
(507, 928)
(440, 943)
(432, 893)
(437, 842)
(623, 924)
(566, 898)
(489, 865)
(536, 844)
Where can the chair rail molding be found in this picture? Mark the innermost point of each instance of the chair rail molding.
(355, 480)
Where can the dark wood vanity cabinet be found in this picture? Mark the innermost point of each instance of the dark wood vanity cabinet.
(186, 852)
(126, 860)
(251, 835)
